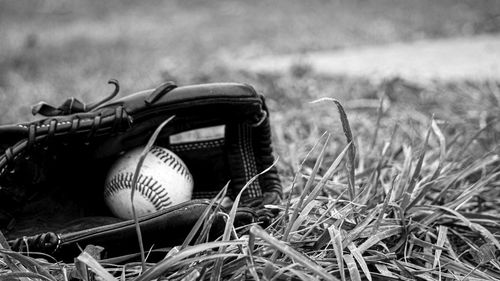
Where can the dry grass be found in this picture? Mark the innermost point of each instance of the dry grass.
(52, 49)
(418, 208)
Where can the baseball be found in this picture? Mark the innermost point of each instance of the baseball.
(164, 181)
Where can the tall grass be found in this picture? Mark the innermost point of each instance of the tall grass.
(389, 208)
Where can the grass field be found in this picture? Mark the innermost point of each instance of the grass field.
(425, 202)
(51, 49)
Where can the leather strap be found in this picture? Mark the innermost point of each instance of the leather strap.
(159, 92)
(72, 105)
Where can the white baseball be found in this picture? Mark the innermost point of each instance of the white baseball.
(164, 180)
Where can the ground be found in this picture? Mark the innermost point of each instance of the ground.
(57, 49)
(471, 58)
(53, 49)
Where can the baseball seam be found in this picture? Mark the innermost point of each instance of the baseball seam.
(146, 186)
(172, 161)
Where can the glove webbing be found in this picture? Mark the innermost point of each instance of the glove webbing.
(73, 105)
(92, 124)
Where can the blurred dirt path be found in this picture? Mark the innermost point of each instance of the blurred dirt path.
(472, 58)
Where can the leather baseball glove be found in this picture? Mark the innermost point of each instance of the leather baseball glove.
(52, 170)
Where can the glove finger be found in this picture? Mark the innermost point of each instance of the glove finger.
(271, 198)
(252, 202)
(245, 216)
(265, 220)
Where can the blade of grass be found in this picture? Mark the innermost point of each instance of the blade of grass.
(458, 266)
(96, 267)
(470, 192)
(203, 217)
(192, 276)
(404, 270)
(230, 221)
(206, 258)
(404, 173)
(487, 235)
(379, 237)
(470, 141)
(308, 185)
(485, 161)
(251, 267)
(286, 230)
(12, 265)
(21, 275)
(352, 267)
(374, 179)
(250, 249)
(292, 253)
(328, 174)
(142, 157)
(354, 233)
(382, 268)
(309, 201)
(301, 166)
(416, 173)
(158, 269)
(290, 268)
(423, 244)
(420, 194)
(302, 217)
(380, 111)
(205, 231)
(302, 275)
(352, 148)
(320, 220)
(442, 148)
(336, 239)
(3, 242)
(304, 193)
(442, 156)
(29, 263)
(384, 207)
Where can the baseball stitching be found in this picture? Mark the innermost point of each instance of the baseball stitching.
(147, 186)
(172, 161)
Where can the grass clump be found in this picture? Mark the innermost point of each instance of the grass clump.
(359, 208)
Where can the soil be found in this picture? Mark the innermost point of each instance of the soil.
(472, 58)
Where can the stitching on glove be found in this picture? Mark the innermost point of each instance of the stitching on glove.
(205, 194)
(198, 145)
(124, 181)
(249, 164)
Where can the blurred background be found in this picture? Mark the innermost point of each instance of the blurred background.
(54, 49)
